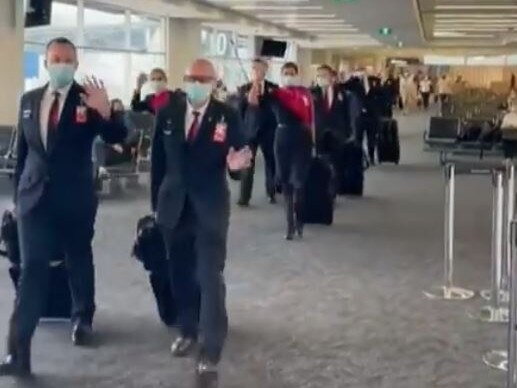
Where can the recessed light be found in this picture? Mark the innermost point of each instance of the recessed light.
(258, 7)
(475, 7)
(295, 16)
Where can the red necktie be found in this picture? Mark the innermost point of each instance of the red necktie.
(327, 99)
(194, 127)
(53, 121)
(53, 116)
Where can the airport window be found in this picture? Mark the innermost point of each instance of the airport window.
(114, 44)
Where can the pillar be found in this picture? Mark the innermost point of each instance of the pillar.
(11, 47)
(305, 64)
(183, 44)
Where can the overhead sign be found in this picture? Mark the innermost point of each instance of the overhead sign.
(385, 31)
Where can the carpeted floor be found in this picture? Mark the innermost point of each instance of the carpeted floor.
(343, 308)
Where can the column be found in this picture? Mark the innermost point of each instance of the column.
(305, 64)
(11, 47)
(183, 43)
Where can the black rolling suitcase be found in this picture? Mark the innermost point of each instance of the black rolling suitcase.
(319, 193)
(351, 179)
(59, 301)
(149, 249)
(388, 146)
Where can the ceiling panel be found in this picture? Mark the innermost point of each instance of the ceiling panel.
(336, 23)
(469, 23)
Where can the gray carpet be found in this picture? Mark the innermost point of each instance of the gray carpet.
(343, 308)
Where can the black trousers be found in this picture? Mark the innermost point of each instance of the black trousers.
(371, 126)
(265, 141)
(197, 280)
(425, 99)
(45, 234)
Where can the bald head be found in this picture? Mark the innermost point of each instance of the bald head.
(199, 80)
(201, 69)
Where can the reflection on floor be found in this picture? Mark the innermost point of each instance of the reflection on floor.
(343, 308)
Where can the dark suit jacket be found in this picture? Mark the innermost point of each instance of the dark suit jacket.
(197, 170)
(342, 116)
(141, 106)
(266, 120)
(64, 170)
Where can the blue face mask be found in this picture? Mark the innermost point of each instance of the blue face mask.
(198, 93)
(61, 74)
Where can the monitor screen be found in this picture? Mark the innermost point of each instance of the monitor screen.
(38, 13)
(273, 48)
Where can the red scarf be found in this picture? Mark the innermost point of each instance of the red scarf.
(159, 100)
(298, 101)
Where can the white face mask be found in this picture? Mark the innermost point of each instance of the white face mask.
(323, 82)
(290, 80)
(157, 86)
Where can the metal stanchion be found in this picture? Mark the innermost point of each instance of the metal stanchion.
(448, 291)
(509, 215)
(495, 312)
(512, 327)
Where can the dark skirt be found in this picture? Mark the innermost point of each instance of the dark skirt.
(293, 154)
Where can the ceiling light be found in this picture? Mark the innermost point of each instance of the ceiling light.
(448, 34)
(475, 7)
(474, 15)
(260, 1)
(477, 21)
(277, 7)
(473, 29)
(475, 36)
(295, 16)
(330, 29)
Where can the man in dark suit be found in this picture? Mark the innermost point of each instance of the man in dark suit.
(54, 196)
(197, 138)
(263, 136)
(335, 117)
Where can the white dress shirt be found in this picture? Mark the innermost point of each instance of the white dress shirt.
(189, 116)
(46, 105)
(425, 86)
(329, 96)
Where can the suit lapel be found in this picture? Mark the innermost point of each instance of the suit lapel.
(180, 114)
(36, 109)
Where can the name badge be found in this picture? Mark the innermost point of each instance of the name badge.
(27, 113)
(220, 132)
(81, 114)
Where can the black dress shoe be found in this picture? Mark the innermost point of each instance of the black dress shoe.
(183, 347)
(16, 366)
(289, 236)
(272, 200)
(299, 230)
(206, 367)
(243, 204)
(82, 334)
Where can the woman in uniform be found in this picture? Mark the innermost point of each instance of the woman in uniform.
(294, 139)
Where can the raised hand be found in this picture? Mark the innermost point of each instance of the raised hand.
(239, 160)
(96, 97)
(140, 81)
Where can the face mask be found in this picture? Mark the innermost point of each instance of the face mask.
(322, 82)
(198, 93)
(60, 74)
(290, 80)
(158, 86)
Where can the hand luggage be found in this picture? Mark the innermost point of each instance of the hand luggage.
(319, 193)
(59, 301)
(149, 249)
(351, 176)
(388, 147)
